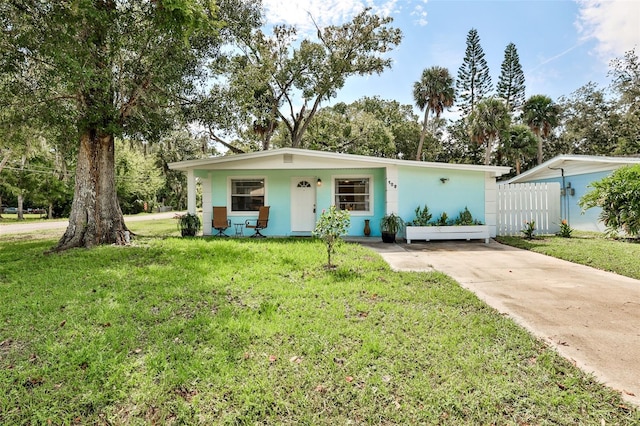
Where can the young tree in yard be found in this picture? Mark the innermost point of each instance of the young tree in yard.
(487, 122)
(278, 80)
(109, 68)
(511, 85)
(333, 223)
(434, 92)
(474, 82)
(618, 195)
(542, 116)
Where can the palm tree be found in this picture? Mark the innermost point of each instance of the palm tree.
(433, 93)
(518, 145)
(541, 115)
(487, 121)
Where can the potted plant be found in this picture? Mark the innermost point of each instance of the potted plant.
(189, 224)
(390, 225)
(464, 227)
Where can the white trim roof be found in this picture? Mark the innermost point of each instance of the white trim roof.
(286, 158)
(573, 165)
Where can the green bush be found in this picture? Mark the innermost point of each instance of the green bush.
(618, 195)
(332, 224)
(422, 216)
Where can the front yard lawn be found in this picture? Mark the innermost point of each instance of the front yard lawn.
(586, 248)
(225, 331)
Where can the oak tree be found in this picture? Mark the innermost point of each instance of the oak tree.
(108, 69)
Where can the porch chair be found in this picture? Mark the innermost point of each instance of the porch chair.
(220, 222)
(260, 223)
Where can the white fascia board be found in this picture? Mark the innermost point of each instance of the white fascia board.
(288, 158)
(573, 165)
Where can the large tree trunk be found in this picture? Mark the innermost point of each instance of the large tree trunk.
(95, 216)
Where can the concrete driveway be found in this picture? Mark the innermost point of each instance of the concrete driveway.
(589, 316)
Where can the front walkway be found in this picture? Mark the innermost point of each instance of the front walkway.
(589, 316)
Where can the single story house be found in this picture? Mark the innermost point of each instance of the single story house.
(298, 184)
(575, 173)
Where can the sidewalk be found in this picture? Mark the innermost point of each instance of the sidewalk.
(589, 316)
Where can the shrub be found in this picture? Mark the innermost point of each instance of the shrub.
(529, 229)
(332, 224)
(443, 220)
(618, 195)
(465, 218)
(422, 216)
(565, 229)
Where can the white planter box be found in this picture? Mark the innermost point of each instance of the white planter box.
(464, 232)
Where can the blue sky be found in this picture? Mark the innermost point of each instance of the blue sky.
(562, 44)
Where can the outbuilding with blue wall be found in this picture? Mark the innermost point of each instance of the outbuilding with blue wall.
(575, 173)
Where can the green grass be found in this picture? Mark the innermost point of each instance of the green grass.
(586, 248)
(9, 218)
(227, 331)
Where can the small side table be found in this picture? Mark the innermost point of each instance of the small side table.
(239, 229)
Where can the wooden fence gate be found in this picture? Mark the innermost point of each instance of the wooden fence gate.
(523, 202)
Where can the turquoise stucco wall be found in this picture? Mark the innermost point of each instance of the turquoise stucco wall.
(278, 196)
(417, 187)
(569, 203)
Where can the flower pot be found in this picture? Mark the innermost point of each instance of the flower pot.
(388, 237)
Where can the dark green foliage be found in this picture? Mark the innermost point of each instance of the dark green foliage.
(518, 146)
(423, 216)
(391, 223)
(511, 85)
(443, 220)
(542, 115)
(465, 218)
(487, 123)
(189, 224)
(434, 93)
(618, 195)
(474, 81)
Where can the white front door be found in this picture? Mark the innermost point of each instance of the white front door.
(303, 204)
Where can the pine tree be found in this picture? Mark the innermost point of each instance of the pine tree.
(474, 81)
(511, 82)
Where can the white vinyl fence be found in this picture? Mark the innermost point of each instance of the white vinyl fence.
(525, 202)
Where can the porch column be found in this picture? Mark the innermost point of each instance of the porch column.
(391, 186)
(191, 191)
(207, 205)
(491, 203)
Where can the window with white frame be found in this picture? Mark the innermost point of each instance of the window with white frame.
(353, 193)
(247, 194)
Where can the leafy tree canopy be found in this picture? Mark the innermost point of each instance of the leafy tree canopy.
(104, 69)
(279, 82)
(618, 195)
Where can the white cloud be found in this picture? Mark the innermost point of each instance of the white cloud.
(420, 14)
(324, 12)
(614, 24)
